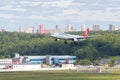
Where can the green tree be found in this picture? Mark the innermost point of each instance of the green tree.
(85, 62)
(111, 63)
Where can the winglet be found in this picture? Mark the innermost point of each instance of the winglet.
(86, 32)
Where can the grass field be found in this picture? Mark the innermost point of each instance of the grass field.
(58, 75)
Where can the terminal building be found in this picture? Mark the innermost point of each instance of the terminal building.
(48, 59)
(37, 62)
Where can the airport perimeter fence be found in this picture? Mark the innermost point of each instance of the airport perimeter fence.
(98, 69)
(111, 69)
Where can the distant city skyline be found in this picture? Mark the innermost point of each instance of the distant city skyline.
(31, 13)
(69, 27)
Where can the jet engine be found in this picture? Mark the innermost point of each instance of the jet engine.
(57, 39)
(82, 39)
(75, 39)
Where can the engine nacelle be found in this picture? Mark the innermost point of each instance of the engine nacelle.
(57, 39)
(82, 39)
(75, 39)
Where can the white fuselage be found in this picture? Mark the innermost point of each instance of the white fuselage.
(67, 36)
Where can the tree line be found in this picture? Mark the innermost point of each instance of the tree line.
(103, 46)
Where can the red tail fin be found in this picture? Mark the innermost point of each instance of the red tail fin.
(86, 32)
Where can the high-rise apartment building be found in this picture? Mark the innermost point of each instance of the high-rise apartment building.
(112, 27)
(29, 30)
(69, 28)
(96, 27)
(42, 30)
(83, 27)
(57, 29)
(21, 30)
(2, 30)
(34, 30)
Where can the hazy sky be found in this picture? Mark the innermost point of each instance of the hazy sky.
(29, 13)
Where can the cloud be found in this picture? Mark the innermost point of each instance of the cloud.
(70, 12)
(57, 3)
(76, 15)
(30, 3)
(111, 8)
(62, 11)
(46, 18)
(97, 15)
(35, 17)
(12, 8)
(8, 16)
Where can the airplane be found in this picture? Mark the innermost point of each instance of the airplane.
(74, 38)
